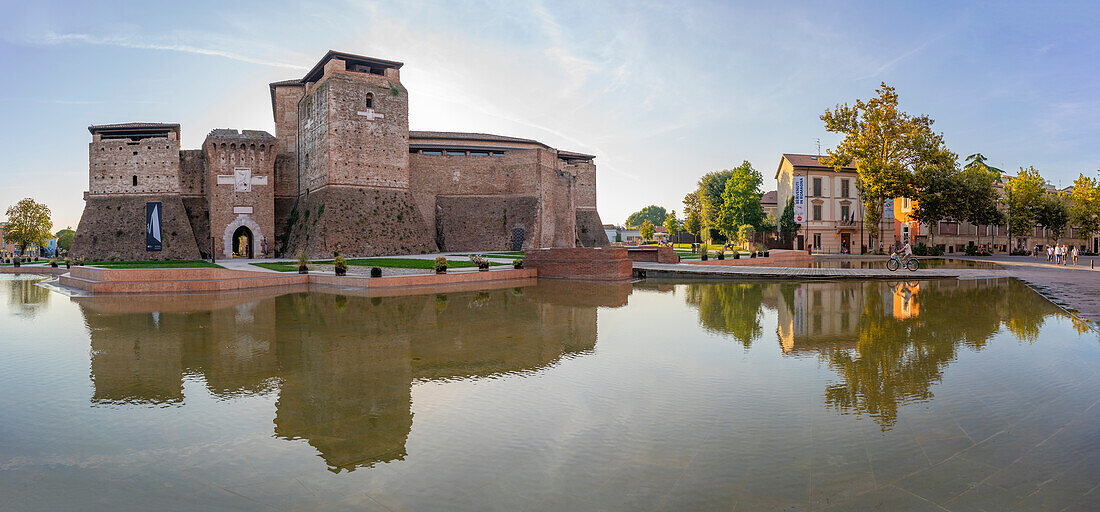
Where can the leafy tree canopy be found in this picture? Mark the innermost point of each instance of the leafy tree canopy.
(786, 220)
(709, 195)
(1085, 205)
(741, 201)
(1022, 198)
(1053, 213)
(28, 224)
(653, 213)
(672, 224)
(646, 230)
(65, 238)
(887, 146)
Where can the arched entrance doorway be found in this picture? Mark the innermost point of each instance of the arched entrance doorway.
(242, 243)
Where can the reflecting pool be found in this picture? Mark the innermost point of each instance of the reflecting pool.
(550, 395)
(881, 263)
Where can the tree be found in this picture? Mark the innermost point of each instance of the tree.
(976, 162)
(786, 220)
(653, 213)
(709, 195)
(672, 226)
(65, 238)
(886, 146)
(1085, 205)
(745, 233)
(646, 231)
(938, 195)
(694, 224)
(979, 197)
(28, 224)
(741, 200)
(1053, 214)
(1023, 195)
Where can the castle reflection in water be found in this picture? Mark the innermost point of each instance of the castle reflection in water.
(343, 366)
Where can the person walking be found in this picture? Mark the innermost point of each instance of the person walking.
(1074, 253)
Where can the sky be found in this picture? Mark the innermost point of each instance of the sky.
(660, 92)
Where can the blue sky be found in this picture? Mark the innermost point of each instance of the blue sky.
(660, 92)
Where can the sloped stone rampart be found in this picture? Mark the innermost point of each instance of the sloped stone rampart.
(113, 228)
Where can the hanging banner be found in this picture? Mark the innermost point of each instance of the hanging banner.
(799, 199)
(152, 227)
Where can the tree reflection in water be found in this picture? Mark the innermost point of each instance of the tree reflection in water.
(25, 297)
(888, 342)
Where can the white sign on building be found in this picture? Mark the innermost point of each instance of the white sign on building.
(800, 199)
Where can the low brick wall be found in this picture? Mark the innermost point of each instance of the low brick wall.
(775, 260)
(33, 270)
(653, 254)
(200, 280)
(598, 264)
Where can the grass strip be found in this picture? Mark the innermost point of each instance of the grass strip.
(154, 264)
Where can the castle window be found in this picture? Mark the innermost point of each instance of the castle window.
(431, 152)
(456, 153)
(370, 100)
(479, 153)
(135, 180)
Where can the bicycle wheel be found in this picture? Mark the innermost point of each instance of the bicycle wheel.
(912, 264)
(892, 265)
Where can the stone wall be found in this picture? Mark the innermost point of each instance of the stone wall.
(368, 146)
(240, 169)
(198, 212)
(356, 221)
(590, 231)
(124, 166)
(113, 228)
(557, 213)
(484, 223)
(585, 172)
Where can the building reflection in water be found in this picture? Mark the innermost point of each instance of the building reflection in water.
(888, 342)
(25, 297)
(342, 366)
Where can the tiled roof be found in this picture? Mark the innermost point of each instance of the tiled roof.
(769, 197)
(489, 137)
(134, 126)
(798, 160)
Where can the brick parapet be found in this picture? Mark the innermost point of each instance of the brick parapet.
(600, 264)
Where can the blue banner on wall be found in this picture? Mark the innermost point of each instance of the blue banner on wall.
(152, 227)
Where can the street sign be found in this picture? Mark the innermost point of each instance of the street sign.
(799, 199)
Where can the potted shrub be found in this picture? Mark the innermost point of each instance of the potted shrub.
(482, 263)
(376, 272)
(16, 262)
(721, 255)
(517, 263)
(752, 254)
(767, 253)
(303, 260)
(704, 256)
(68, 263)
(441, 265)
(341, 265)
(53, 263)
(737, 255)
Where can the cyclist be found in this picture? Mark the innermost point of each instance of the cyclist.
(906, 252)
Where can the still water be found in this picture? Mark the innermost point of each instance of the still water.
(918, 395)
(881, 263)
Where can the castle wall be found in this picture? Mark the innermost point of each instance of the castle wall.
(557, 210)
(113, 228)
(113, 165)
(365, 149)
(356, 221)
(484, 223)
(240, 170)
(590, 231)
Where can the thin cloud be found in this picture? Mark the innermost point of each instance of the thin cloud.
(900, 58)
(124, 42)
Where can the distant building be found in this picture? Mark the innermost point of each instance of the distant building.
(771, 206)
(832, 217)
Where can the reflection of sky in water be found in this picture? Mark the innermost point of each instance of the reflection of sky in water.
(573, 393)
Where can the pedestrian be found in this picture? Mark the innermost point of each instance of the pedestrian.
(1050, 254)
(1036, 252)
(1075, 253)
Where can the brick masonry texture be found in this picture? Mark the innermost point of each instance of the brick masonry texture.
(479, 223)
(343, 153)
(113, 228)
(356, 221)
(602, 264)
(590, 231)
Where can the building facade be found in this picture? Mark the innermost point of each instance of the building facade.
(342, 174)
(832, 217)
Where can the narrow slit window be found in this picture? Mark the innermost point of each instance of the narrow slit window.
(370, 100)
(135, 180)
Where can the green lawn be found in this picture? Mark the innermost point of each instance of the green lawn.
(153, 264)
(374, 262)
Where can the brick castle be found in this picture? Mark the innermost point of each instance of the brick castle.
(342, 173)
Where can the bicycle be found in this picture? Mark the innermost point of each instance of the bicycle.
(911, 264)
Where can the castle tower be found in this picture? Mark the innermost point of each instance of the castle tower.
(352, 155)
(240, 172)
(134, 176)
